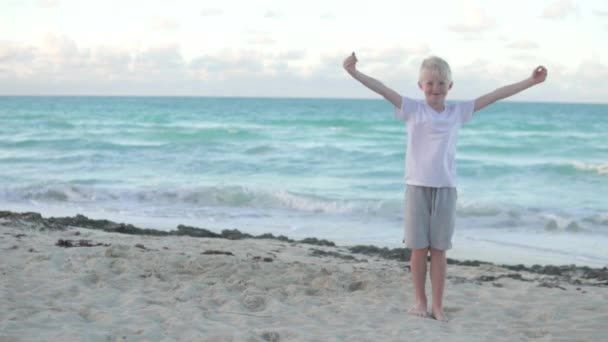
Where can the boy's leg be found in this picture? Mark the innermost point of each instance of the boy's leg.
(438, 271)
(417, 225)
(418, 261)
(442, 229)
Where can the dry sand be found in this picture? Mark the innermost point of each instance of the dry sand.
(146, 288)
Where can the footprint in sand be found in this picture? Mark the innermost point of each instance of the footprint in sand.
(271, 336)
(452, 309)
(254, 303)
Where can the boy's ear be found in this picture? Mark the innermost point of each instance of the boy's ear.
(419, 85)
(450, 86)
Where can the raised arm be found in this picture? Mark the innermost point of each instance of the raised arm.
(538, 76)
(350, 64)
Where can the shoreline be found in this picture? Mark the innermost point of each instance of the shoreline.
(471, 241)
(574, 274)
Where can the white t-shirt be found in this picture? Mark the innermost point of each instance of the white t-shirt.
(431, 143)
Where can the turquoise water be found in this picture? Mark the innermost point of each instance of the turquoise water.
(533, 177)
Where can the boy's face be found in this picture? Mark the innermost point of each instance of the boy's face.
(434, 86)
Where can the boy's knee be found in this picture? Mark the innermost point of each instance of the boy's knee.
(421, 250)
(437, 251)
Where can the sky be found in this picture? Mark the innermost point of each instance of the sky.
(284, 48)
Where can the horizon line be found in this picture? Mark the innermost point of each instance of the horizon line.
(274, 97)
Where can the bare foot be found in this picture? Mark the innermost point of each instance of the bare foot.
(419, 310)
(439, 315)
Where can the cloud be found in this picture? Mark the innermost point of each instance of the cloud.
(329, 16)
(227, 63)
(529, 59)
(60, 46)
(583, 83)
(57, 53)
(292, 55)
(59, 59)
(110, 64)
(592, 71)
(14, 53)
(164, 71)
(159, 60)
(56, 60)
(472, 19)
(59, 66)
(164, 23)
(559, 9)
(523, 44)
(259, 38)
(212, 12)
(601, 13)
(272, 15)
(392, 57)
(49, 3)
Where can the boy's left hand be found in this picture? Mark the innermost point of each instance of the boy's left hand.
(539, 74)
(350, 63)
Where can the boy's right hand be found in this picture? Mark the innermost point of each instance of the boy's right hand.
(539, 74)
(350, 63)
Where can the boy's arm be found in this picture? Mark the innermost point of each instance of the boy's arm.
(371, 83)
(538, 76)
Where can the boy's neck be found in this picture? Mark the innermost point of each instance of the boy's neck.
(438, 107)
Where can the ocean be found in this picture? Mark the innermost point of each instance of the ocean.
(532, 177)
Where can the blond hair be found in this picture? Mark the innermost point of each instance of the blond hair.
(438, 65)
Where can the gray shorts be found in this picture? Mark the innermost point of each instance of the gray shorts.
(429, 217)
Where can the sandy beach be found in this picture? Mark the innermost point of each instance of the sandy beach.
(62, 282)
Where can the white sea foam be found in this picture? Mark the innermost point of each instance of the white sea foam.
(477, 209)
(599, 168)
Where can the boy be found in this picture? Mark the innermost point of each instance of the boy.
(430, 200)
